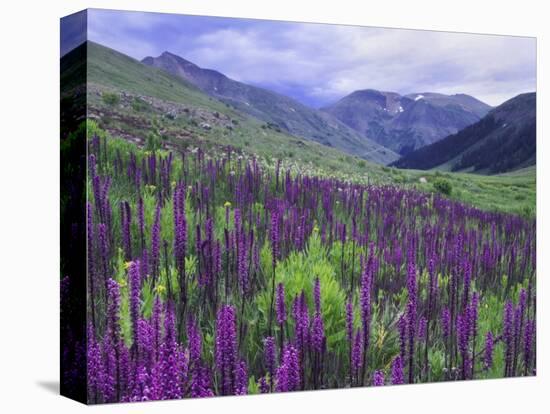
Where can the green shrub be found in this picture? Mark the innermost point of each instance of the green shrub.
(443, 186)
(138, 105)
(152, 143)
(110, 98)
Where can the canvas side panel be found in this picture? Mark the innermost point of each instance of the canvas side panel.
(73, 382)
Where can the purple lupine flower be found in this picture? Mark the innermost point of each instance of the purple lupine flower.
(317, 295)
(318, 333)
(112, 345)
(411, 312)
(180, 231)
(104, 252)
(144, 343)
(269, 355)
(226, 348)
(275, 237)
(141, 389)
(446, 322)
(155, 244)
(141, 222)
(288, 373)
(242, 263)
(365, 300)
(123, 372)
(378, 378)
(357, 354)
(113, 306)
(432, 287)
(263, 385)
(397, 376)
(402, 327)
(463, 333)
(237, 220)
(473, 314)
(508, 337)
(194, 342)
(280, 307)
(528, 341)
(422, 328)
(467, 282)
(135, 289)
(168, 366)
(301, 322)
(488, 353)
(200, 383)
(241, 379)
(91, 261)
(94, 367)
(156, 326)
(349, 320)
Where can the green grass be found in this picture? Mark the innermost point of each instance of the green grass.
(512, 192)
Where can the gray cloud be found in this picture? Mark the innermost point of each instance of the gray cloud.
(319, 63)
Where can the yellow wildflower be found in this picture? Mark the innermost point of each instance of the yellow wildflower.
(227, 204)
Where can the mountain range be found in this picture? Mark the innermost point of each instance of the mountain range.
(429, 130)
(278, 111)
(504, 140)
(404, 123)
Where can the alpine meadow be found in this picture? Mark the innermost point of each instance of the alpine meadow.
(224, 234)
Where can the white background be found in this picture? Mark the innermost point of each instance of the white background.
(29, 214)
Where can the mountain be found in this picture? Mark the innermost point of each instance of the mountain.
(406, 123)
(504, 140)
(132, 101)
(276, 110)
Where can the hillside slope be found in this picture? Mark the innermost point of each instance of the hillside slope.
(148, 99)
(504, 140)
(406, 123)
(278, 111)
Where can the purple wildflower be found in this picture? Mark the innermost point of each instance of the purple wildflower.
(280, 307)
(508, 337)
(275, 237)
(155, 243)
(269, 355)
(378, 378)
(528, 341)
(135, 288)
(263, 385)
(226, 348)
(288, 373)
(397, 376)
(318, 333)
(488, 353)
(446, 322)
(317, 295)
(349, 320)
(241, 379)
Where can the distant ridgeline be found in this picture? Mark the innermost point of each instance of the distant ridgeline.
(278, 111)
(504, 140)
(406, 123)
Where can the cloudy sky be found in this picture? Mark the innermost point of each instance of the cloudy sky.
(319, 63)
